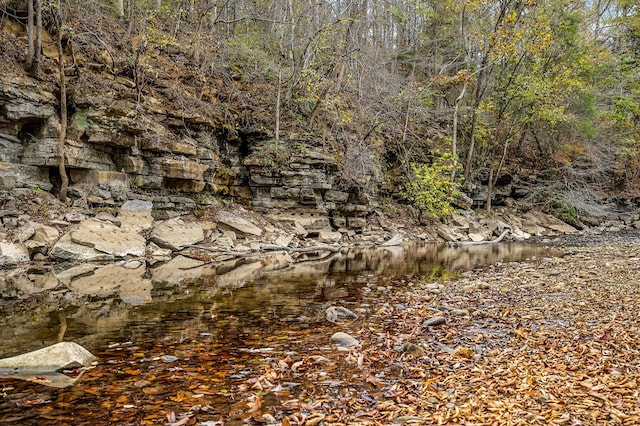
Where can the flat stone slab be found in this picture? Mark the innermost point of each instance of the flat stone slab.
(136, 215)
(177, 234)
(239, 224)
(46, 234)
(108, 238)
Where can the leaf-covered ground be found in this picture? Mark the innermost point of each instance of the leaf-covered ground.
(551, 341)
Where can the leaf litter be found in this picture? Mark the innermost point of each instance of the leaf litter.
(554, 341)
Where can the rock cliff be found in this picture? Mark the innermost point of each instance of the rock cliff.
(116, 147)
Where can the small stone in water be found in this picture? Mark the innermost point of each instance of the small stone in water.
(343, 339)
(168, 358)
(411, 349)
(432, 322)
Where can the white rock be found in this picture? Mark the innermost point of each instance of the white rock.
(13, 253)
(67, 250)
(51, 358)
(343, 339)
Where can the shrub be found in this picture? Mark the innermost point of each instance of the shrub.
(431, 189)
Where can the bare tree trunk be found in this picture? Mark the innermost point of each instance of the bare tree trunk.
(277, 135)
(132, 17)
(489, 191)
(30, 46)
(454, 132)
(35, 66)
(471, 151)
(121, 9)
(63, 110)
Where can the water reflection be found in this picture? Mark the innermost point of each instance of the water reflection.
(97, 304)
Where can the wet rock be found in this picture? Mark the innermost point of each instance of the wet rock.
(137, 292)
(240, 275)
(108, 279)
(411, 349)
(178, 269)
(344, 340)
(434, 322)
(337, 313)
(177, 234)
(35, 281)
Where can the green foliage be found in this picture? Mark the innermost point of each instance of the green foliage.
(431, 190)
(565, 212)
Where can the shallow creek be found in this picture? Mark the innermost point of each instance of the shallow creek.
(183, 314)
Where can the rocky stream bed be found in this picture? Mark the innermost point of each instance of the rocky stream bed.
(552, 340)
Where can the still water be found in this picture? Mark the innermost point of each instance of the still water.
(184, 342)
(101, 305)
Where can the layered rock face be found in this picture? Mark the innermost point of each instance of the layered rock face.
(120, 146)
(110, 141)
(305, 191)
